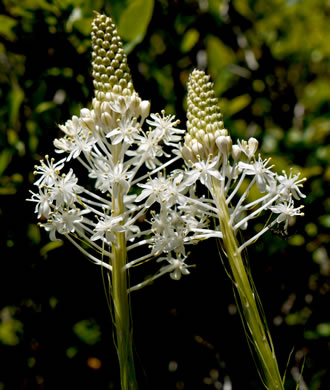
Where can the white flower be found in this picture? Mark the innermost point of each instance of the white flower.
(290, 185)
(202, 171)
(111, 176)
(155, 190)
(64, 221)
(176, 267)
(248, 148)
(286, 211)
(72, 127)
(107, 227)
(79, 135)
(100, 173)
(263, 174)
(49, 171)
(43, 200)
(169, 240)
(65, 189)
(175, 190)
(170, 232)
(121, 104)
(127, 130)
(148, 150)
(63, 145)
(118, 177)
(83, 142)
(165, 126)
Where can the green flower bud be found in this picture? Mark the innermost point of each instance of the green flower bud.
(204, 122)
(110, 70)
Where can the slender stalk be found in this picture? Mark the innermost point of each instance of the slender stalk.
(250, 309)
(121, 305)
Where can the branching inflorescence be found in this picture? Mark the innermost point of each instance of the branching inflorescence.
(127, 154)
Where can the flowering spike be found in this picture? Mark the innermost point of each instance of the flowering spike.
(110, 70)
(204, 123)
(105, 223)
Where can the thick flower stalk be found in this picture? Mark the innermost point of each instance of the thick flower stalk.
(111, 224)
(224, 169)
(127, 206)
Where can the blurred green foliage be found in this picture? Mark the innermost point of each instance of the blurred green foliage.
(88, 331)
(269, 61)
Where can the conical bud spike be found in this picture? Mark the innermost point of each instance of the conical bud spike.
(203, 113)
(110, 69)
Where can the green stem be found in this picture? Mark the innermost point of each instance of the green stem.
(255, 326)
(121, 305)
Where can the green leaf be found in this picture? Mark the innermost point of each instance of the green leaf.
(220, 57)
(33, 233)
(238, 103)
(10, 328)
(44, 106)
(299, 317)
(219, 54)
(71, 352)
(189, 40)
(49, 247)
(6, 25)
(325, 220)
(5, 158)
(37, 4)
(89, 6)
(135, 19)
(242, 7)
(311, 335)
(323, 329)
(83, 25)
(297, 240)
(33, 140)
(88, 331)
(15, 97)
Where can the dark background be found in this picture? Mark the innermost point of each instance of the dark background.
(270, 65)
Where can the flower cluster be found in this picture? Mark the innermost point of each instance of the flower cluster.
(112, 148)
(133, 195)
(236, 168)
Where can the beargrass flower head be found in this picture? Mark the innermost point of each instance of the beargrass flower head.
(129, 196)
(242, 187)
(233, 171)
(127, 156)
(128, 205)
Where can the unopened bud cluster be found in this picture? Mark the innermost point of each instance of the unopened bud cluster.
(110, 70)
(206, 133)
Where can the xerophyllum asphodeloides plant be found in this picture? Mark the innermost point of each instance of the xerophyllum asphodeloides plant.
(128, 156)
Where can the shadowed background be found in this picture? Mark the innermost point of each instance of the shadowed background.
(270, 65)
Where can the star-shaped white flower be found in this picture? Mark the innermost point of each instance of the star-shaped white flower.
(203, 171)
(286, 211)
(263, 174)
(49, 171)
(107, 227)
(165, 126)
(65, 190)
(290, 185)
